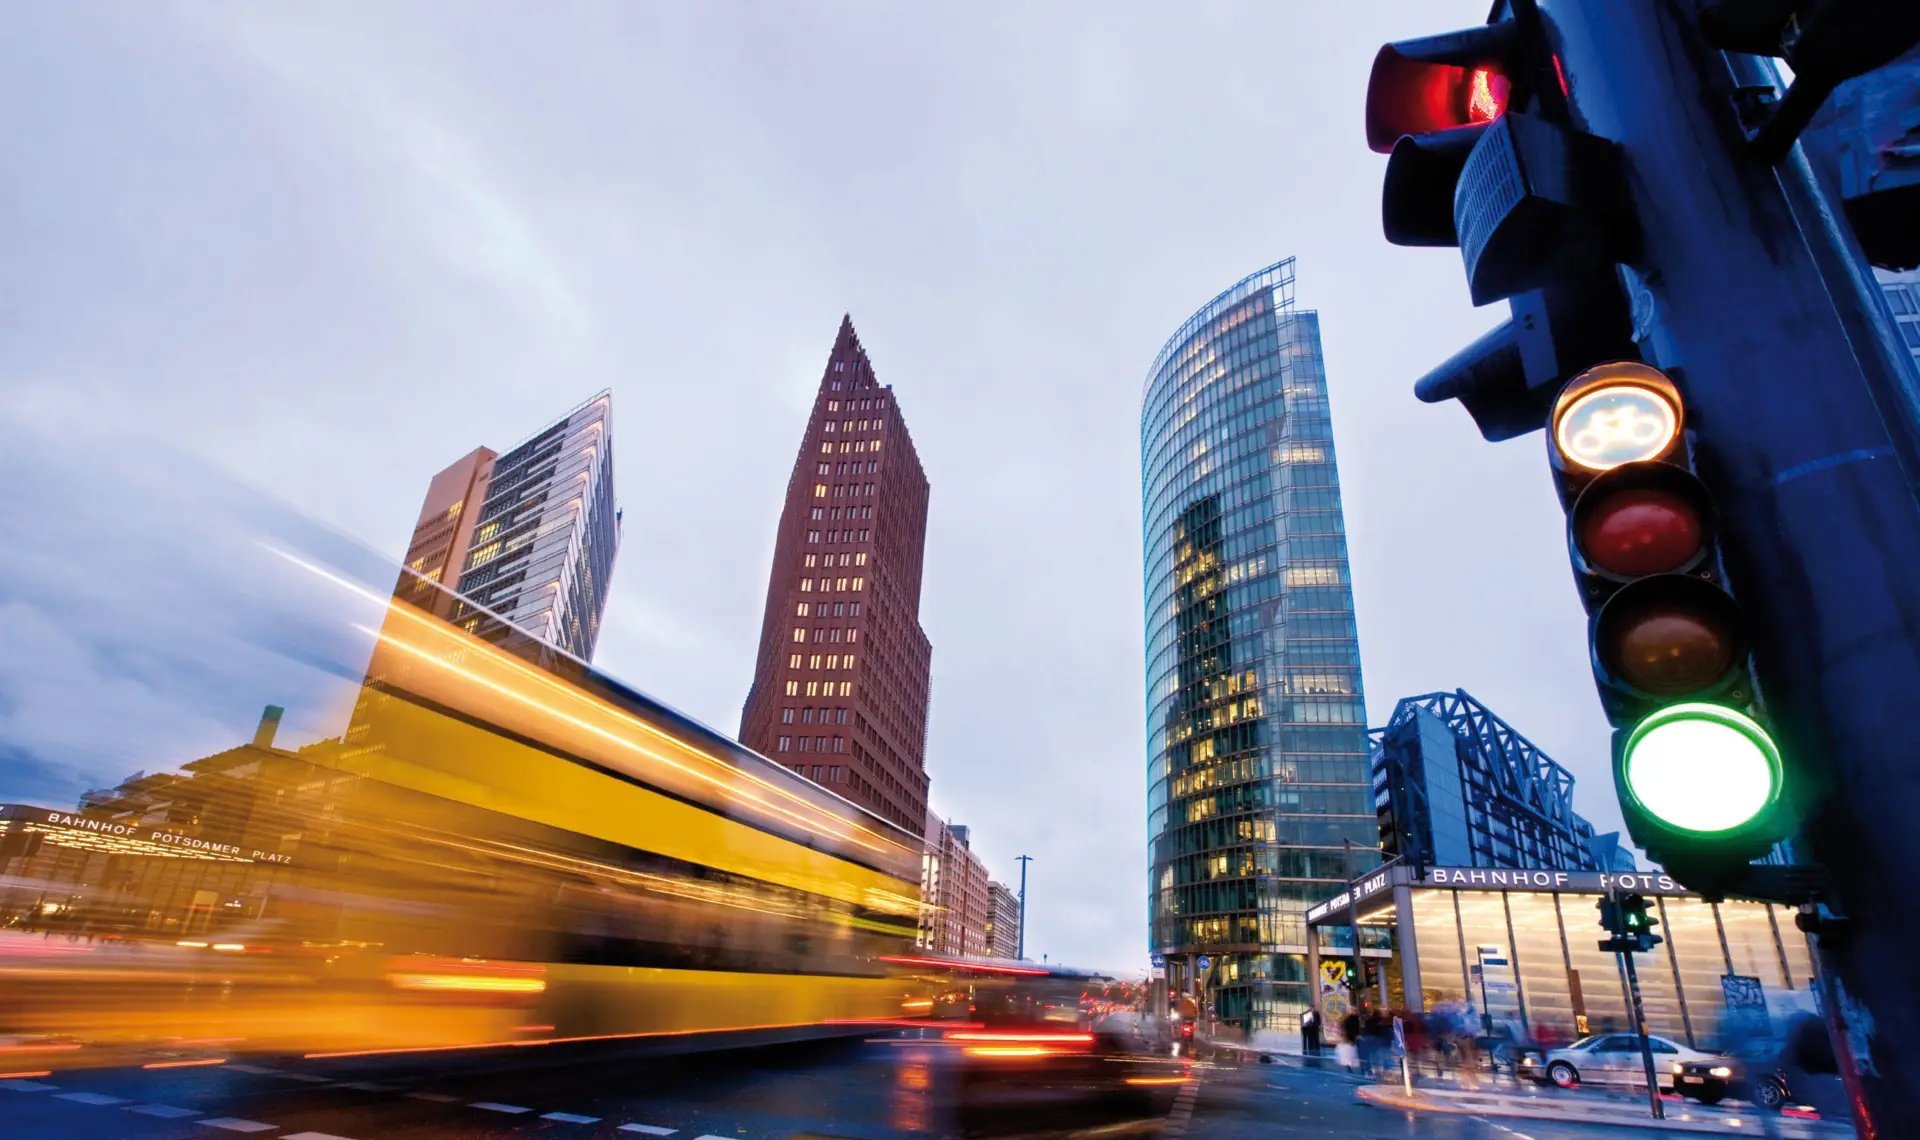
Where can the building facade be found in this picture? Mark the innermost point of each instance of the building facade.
(1003, 922)
(1257, 760)
(1519, 947)
(1455, 785)
(841, 686)
(955, 909)
(522, 544)
(1902, 290)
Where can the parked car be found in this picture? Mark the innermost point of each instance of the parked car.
(1614, 1059)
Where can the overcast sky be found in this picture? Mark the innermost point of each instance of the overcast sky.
(330, 248)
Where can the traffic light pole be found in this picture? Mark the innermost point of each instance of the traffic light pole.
(1748, 291)
(1640, 1030)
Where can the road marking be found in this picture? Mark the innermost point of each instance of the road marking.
(164, 1111)
(437, 1098)
(26, 1086)
(234, 1124)
(570, 1118)
(649, 1129)
(494, 1106)
(90, 1098)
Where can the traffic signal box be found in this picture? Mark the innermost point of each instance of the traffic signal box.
(1484, 157)
(1629, 926)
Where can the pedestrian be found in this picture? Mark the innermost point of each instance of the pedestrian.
(1310, 1033)
(1349, 1051)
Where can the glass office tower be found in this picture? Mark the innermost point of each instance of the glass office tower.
(1257, 769)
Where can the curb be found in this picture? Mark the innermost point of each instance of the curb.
(1785, 1128)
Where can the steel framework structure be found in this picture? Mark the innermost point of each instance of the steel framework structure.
(1517, 801)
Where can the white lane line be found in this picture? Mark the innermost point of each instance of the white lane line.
(494, 1106)
(649, 1129)
(234, 1124)
(164, 1111)
(314, 1136)
(437, 1098)
(570, 1118)
(90, 1098)
(26, 1086)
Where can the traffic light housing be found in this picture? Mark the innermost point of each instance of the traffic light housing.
(1628, 924)
(1540, 211)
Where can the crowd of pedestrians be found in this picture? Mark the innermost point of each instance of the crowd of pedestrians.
(1450, 1038)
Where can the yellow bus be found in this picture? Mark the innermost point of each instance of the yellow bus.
(495, 853)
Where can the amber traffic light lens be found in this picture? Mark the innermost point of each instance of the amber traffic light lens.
(1670, 650)
(1642, 531)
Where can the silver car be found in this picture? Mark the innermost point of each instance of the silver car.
(1614, 1059)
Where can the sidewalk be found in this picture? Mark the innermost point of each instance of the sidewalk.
(1586, 1109)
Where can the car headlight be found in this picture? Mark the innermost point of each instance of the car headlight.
(1721, 1071)
(1677, 1066)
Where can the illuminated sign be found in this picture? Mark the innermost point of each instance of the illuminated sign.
(1334, 910)
(68, 829)
(1615, 424)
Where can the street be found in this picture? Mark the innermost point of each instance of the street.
(879, 1088)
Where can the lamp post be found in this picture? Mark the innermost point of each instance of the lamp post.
(1020, 942)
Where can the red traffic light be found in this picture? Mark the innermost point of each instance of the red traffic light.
(1640, 519)
(1460, 79)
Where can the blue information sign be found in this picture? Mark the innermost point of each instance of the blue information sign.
(1205, 963)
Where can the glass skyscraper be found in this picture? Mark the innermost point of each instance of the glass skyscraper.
(1257, 767)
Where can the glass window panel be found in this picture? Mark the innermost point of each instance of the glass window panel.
(1543, 969)
(1603, 997)
(1695, 938)
(1799, 952)
(1484, 922)
(1438, 942)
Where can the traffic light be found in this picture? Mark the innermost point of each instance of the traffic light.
(1629, 925)
(1540, 211)
(1699, 777)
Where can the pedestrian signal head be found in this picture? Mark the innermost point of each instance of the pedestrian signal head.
(1615, 414)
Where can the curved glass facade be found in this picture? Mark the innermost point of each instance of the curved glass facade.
(1257, 766)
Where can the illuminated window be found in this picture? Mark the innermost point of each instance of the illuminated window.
(860, 446)
(830, 425)
(453, 512)
(818, 512)
(793, 688)
(786, 742)
(858, 583)
(793, 662)
(1313, 575)
(806, 585)
(876, 445)
(833, 405)
(844, 448)
(833, 660)
(813, 688)
(819, 490)
(849, 660)
(846, 688)
(416, 564)
(799, 634)
(483, 555)
(812, 559)
(813, 662)
(860, 559)
(813, 536)
(826, 448)
(843, 583)
(853, 635)
(487, 531)
(848, 426)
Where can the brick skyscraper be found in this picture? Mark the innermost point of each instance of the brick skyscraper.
(840, 690)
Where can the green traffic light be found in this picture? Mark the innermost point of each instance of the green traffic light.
(1702, 768)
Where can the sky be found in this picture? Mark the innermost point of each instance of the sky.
(321, 251)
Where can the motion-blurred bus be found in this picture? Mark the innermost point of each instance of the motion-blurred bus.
(495, 853)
